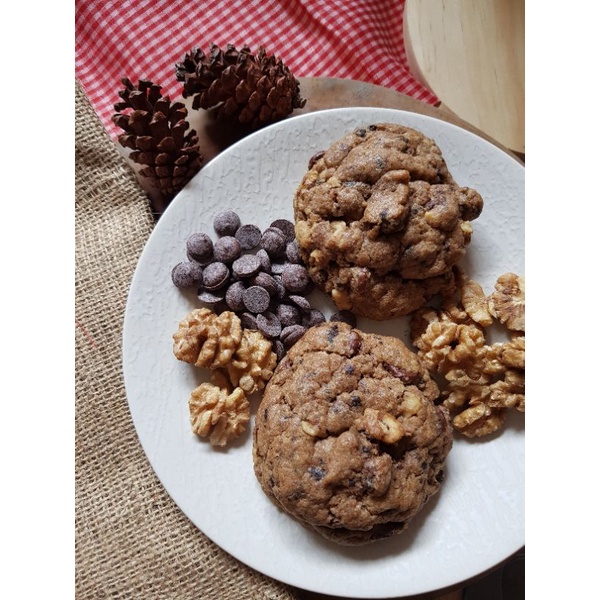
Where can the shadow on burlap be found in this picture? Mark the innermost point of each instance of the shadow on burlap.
(131, 540)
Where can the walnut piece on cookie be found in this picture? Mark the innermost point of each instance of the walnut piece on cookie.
(348, 438)
(380, 222)
(217, 411)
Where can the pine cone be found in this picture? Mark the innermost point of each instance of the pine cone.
(254, 89)
(155, 130)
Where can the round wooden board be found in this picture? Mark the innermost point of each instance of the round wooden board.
(321, 93)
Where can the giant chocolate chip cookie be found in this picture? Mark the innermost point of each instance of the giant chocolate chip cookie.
(348, 439)
(380, 221)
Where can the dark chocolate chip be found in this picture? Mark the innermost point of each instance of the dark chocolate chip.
(288, 315)
(248, 321)
(199, 247)
(234, 296)
(316, 473)
(227, 249)
(295, 278)
(291, 334)
(332, 333)
(215, 275)
(265, 261)
(281, 291)
(256, 299)
(300, 301)
(286, 227)
(246, 265)
(279, 349)
(313, 317)
(268, 324)
(220, 307)
(274, 242)
(266, 281)
(344, 316)
(292, 253)
(212, 298)
(277, 268)
(226, 222)
(187, 275)
(248, 236)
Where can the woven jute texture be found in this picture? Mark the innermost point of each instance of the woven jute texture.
(131, 540)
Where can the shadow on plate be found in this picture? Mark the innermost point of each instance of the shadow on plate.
(394, 545)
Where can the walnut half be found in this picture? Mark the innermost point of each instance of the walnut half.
(482, 381)
(241, 362)
(479, 420)
(253, 362)
(444, 345)
(507, 301)
(206, 339)
(217, 411)
(474, 300)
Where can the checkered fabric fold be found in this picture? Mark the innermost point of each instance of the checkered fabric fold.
(350, 39)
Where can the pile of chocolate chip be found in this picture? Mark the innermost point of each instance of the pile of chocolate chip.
(257, 274)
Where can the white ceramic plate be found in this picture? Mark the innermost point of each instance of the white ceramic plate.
(477, 519)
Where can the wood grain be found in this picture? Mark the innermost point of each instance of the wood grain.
(471, 54)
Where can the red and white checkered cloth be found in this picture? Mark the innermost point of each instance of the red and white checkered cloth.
(144, 39)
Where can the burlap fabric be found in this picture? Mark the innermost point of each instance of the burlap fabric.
(131, 540)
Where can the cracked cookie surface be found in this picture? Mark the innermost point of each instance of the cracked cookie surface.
(379, 219)
(348, 439)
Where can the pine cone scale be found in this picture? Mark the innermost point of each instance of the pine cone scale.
(159, 126)
(127, 141)
(144, 143)
(162, 171)
(167, 145)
